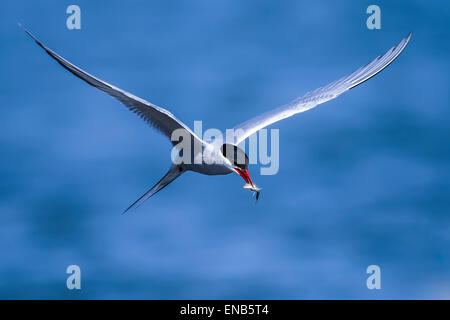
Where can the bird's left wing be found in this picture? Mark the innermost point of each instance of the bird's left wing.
(320, 95)
(157, 117)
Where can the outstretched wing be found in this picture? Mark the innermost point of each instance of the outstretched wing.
(320, 95)
(157, 117)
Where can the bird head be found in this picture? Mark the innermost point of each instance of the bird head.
(239, 163)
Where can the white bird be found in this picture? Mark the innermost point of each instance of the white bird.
(226, 158)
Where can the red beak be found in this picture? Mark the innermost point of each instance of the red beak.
(245, 175)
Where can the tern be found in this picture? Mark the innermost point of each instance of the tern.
(227, 157)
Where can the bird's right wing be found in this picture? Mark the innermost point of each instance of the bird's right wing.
(320, 95)
(157, 117)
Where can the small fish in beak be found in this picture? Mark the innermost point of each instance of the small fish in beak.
(252, 188)
(249, 183)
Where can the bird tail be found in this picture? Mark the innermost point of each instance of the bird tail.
(173, 173)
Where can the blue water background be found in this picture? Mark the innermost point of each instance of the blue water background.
(363, 179)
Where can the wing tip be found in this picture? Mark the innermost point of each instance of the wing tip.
(29, 33)
(408, 37)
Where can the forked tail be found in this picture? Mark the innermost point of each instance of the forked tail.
(173, 173)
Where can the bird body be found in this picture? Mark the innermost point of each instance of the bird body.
(221, 158)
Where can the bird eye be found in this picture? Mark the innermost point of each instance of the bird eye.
(241, 166)
(235, 155)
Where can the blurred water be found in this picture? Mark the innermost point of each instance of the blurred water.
(363, 179)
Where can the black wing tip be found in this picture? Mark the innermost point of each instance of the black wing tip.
(29, 33)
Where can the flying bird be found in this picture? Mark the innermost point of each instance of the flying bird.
(212, 158)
